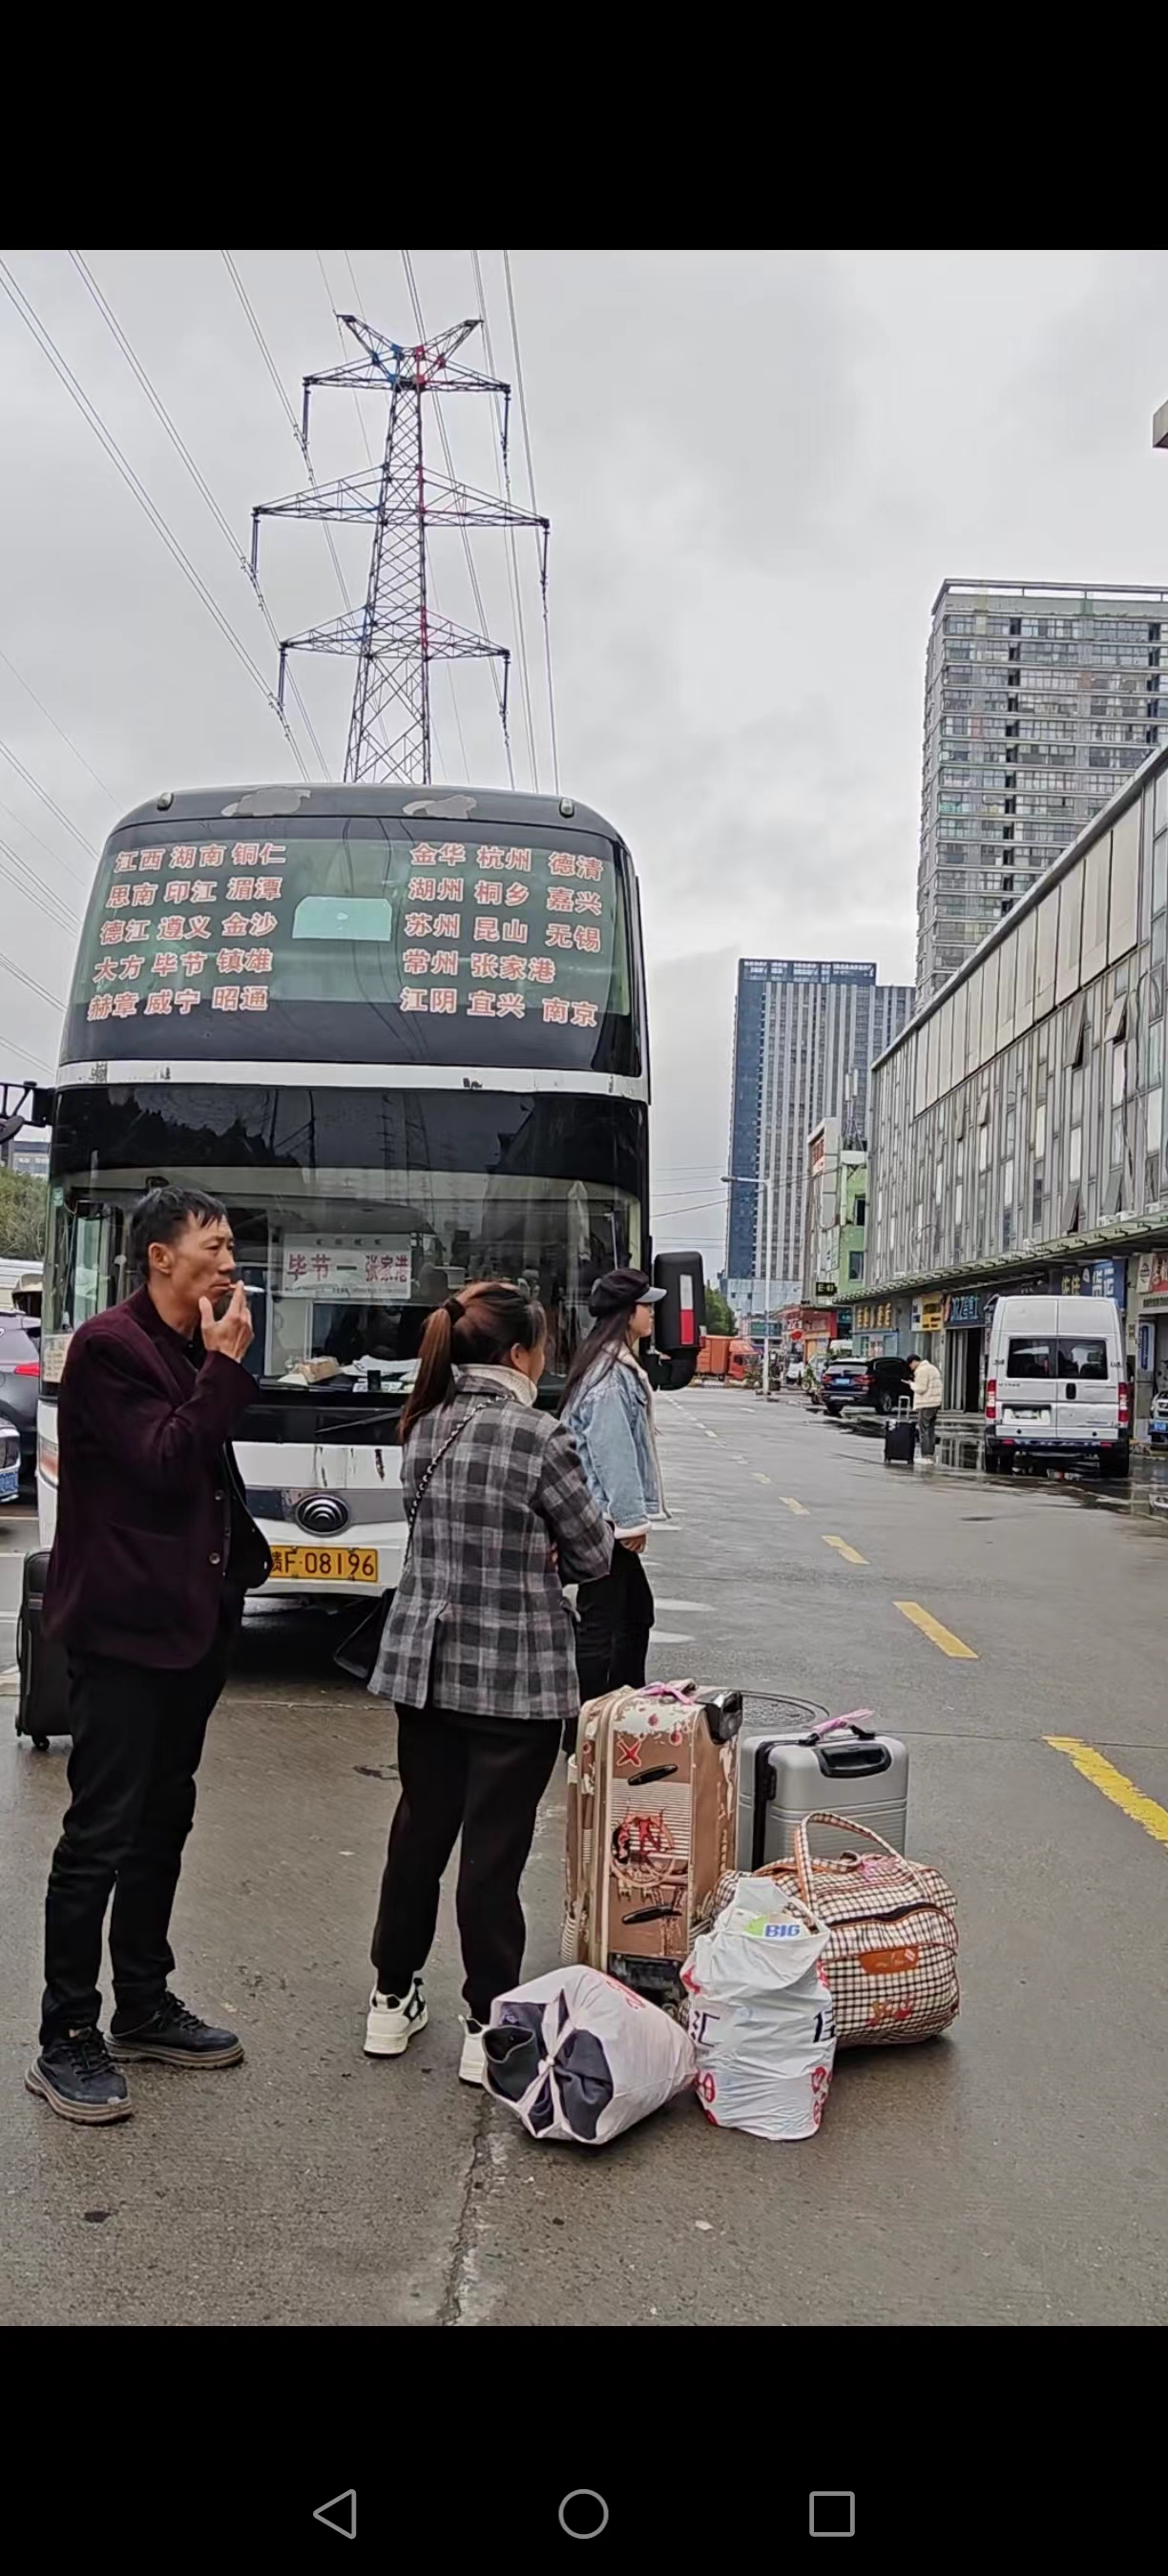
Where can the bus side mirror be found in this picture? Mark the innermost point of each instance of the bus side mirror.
(668, 1373)
(681, 1314)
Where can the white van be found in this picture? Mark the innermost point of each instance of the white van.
(1056, 1384)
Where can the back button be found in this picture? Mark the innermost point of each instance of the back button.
(339, 2514)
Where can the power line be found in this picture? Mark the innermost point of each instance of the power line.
(319, 258)
(38, 894)
(29, 833)
(58, 729)
(286, 406)
(547, 638)
(18, 1048)
(480, 610)
(89, 412)
(11, 968)
(513, 545)
(199, 480)
(29, 780)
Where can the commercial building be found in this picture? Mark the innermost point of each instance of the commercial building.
(805, 1034)
(1017, 1132)
(835, 1217)
(1040, 699)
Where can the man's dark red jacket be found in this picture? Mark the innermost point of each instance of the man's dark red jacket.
(154, 1544)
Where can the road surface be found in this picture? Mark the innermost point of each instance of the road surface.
(1012, 2173)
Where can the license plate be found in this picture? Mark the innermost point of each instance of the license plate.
(1028, 1412)
(9, 1484)
(326, 1564)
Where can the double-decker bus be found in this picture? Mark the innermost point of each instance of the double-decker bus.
(401, 1033)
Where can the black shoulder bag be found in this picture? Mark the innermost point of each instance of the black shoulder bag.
(358, 1655)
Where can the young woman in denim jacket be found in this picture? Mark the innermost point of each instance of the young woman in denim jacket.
(608, 1408)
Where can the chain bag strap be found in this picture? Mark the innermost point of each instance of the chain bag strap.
(424, 1481)
(358, 1655)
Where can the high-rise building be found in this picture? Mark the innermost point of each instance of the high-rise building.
(806, 1032)
(1039, 700)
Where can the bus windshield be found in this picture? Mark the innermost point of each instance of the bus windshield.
(355, 1211)
(357, 941)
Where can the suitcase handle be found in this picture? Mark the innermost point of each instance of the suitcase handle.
(853, 1761)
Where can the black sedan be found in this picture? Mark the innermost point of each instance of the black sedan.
(20, 1377)
(879, 1383)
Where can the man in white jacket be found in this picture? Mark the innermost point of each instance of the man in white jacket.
(927, 1393)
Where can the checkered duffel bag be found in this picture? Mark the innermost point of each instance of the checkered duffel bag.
(891, 1960)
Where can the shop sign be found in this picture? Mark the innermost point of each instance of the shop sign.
(965, 1309)
(928, 1314)
(874, 1319)
(1092, 1279)
(1152, 1276)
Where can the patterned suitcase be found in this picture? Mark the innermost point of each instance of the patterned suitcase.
(652, 1828)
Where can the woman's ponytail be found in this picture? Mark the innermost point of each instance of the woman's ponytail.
(482, 1326)
(435, 1375)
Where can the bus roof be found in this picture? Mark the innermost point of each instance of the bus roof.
(386, 797)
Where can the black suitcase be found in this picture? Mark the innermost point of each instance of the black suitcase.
(900, 1440)
(42, 1708)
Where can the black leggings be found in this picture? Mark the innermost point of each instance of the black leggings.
(615, 1625)
(483, 1778)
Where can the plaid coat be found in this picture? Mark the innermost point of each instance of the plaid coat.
(479, 1621)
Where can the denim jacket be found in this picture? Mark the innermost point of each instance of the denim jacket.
(610, 1417)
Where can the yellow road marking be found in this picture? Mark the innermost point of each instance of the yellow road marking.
(1122, 1793)
(760, 1479)
(793, 1506)
(842, 1549)
(932, 1628)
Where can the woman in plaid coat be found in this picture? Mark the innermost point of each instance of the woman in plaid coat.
(478, 1652)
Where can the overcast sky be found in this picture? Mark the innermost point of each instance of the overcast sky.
(758, 467)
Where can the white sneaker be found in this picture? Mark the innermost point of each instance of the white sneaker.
(393, 2020)
(473, 2058)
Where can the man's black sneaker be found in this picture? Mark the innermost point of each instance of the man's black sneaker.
(77, 2077)
(175, 2037)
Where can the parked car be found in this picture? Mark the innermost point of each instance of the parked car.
(877, 1382)
(1056, 1384)
(20, 1377)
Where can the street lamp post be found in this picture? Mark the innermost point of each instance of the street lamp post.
(753, 1181)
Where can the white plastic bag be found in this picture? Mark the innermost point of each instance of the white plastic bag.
(578, 2056)
(761, 2016)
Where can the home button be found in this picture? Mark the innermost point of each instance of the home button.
(583, 2514)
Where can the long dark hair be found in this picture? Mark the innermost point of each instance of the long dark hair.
(603, 1345)
(478, 1328)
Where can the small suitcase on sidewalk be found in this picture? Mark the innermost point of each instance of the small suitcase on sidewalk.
(900, 1437)
(42, 1707)
(652, 1828)
(840, 1763)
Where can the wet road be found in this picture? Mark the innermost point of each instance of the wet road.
(1011, 2173)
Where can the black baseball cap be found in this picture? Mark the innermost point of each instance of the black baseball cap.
(620, 1290)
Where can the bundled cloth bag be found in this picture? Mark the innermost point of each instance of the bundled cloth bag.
(761, 2016)
(891, 1953)
(578, 2056)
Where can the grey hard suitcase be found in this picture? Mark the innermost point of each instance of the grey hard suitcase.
(863, 1775)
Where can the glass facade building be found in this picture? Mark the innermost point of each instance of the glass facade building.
(806, 1031)
(1040, 699)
